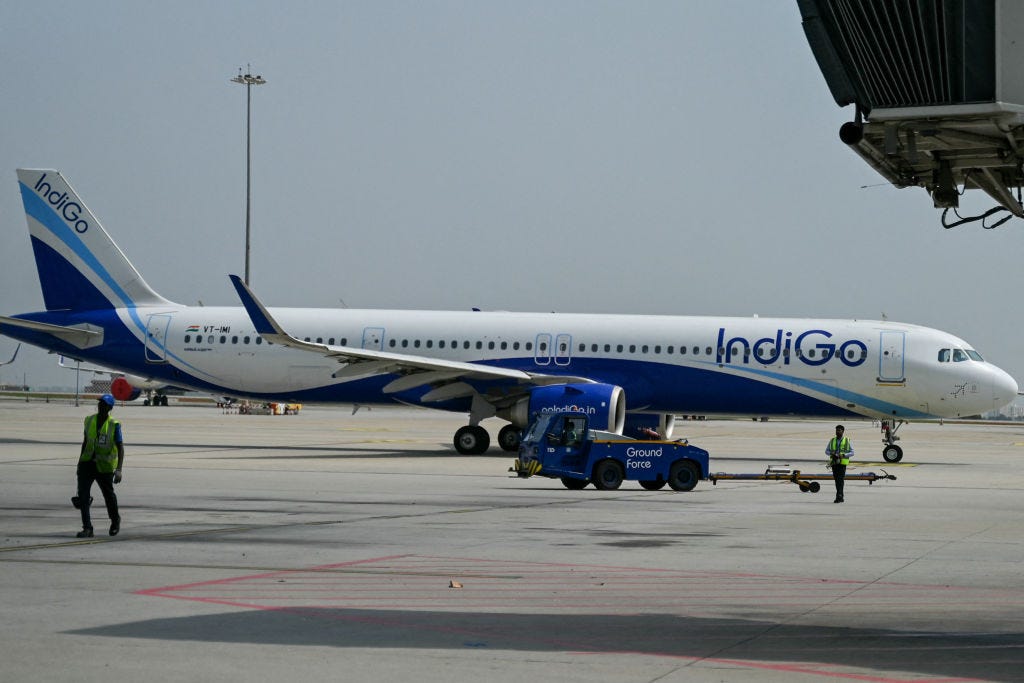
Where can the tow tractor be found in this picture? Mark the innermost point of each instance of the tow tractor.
(561, 445)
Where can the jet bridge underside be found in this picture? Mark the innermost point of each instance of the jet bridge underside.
(938, 91)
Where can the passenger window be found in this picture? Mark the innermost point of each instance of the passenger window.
(490, 345)
(440, 344)
(405, 343)
(245, 340)
(330, 341)
(607, 348)
(344, 341)
(657, 349)
(392, 343)
(504, 345)
(416, 343)
(234, 340)
(670, 349)
(696, 350)
(259, 340)
(643, 349)
(515, 346)
(529, 346)
(632, 348)
(618, 348)
(465, 344)
(188, 338)
(479, 345)
(430, 343)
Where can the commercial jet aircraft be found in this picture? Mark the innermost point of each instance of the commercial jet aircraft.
(627, 372)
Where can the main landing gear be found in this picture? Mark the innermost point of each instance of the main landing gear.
(890, 451)
(474, 439)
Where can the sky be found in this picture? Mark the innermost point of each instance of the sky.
(603, 157)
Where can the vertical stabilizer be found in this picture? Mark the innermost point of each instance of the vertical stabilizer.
(80, 267)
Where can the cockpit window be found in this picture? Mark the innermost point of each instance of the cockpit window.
(943, 355)
(974, 355)
(959, 355)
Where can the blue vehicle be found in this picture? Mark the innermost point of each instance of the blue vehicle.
(561, 445)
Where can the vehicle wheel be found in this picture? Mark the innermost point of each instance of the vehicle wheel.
(653, 484)
(684, 475)
(892, 453)
(145, 401)
(608, 475)
(163, 400)
(574, 484)
(814, 486)
(472, 440)
(508, 438)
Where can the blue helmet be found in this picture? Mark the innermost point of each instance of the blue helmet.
(108, 399)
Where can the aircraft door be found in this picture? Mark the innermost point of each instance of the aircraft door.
(156, 338)
(542, 349)
(891, 351)
(563, 349)
(373, 338)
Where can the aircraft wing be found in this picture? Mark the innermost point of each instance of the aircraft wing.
(415, 370)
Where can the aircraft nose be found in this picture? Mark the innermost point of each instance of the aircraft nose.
(1004, 388)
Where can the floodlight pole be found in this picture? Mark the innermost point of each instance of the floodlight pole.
(248, 80)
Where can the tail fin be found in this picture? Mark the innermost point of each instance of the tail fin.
(80, 267)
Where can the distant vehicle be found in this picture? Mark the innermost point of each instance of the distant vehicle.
(625, 372)
(562, 445)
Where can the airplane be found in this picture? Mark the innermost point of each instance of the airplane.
(629, 373)
(125, 386)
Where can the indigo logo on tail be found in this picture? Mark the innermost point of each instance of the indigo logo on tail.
(69, 211)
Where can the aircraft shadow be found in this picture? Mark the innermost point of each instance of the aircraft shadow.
(745, 642)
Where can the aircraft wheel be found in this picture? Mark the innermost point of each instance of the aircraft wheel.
(608, 475)
(892, 453)
(653, 484)
(574, 484)
(163, 400)
(145, 401)
(508, 438)
(684, 475)
(472, 440)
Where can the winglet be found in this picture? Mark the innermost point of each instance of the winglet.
(16, 348)
(260, 316)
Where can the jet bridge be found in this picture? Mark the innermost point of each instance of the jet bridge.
(938, 90)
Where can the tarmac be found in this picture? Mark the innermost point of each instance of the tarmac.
(331, 546)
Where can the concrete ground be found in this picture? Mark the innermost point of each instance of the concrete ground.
(327, 546)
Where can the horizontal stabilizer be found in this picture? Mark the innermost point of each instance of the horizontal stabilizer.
(82, 336)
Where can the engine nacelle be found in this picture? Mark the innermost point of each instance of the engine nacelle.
(649, 426)
(123, 390)
(603, 404)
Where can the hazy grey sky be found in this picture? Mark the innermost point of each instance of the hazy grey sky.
(650, 157)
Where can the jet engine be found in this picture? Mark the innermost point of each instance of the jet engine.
(649, 425)
(603, 404)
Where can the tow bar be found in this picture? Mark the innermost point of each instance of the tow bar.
(806, 482)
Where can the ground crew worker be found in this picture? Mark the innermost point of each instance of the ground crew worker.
(839, 451)
(101, 460)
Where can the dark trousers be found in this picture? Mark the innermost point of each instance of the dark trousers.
(838, 474)
(87, 474)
